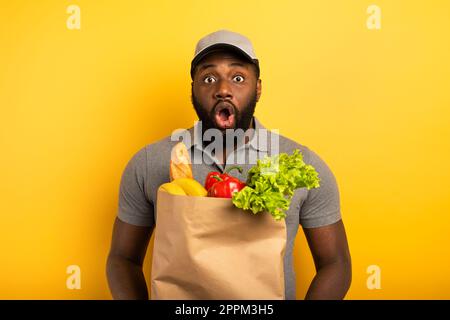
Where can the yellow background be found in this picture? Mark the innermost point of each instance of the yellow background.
(77, 104)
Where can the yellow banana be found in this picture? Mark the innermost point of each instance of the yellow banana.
(172, 188)
(191, 187)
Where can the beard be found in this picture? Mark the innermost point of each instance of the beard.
(243, 117)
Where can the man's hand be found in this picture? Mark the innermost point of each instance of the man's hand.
(126, 257)
(331, 255)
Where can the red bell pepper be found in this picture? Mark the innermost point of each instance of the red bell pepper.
(222, 185)
(210, 180)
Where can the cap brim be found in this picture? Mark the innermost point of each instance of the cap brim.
(219, 47)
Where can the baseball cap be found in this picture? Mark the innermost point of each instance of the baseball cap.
(224, 39)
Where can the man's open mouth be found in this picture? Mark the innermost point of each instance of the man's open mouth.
(224, 116)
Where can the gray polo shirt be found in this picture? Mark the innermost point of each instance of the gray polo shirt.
(149, 168)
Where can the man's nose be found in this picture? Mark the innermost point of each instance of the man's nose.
(223, 90)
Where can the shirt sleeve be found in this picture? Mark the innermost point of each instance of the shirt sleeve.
(134, 205)
(322, 205)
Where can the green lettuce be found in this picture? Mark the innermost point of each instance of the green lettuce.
(272, 181)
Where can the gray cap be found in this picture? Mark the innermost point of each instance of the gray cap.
(224, 39)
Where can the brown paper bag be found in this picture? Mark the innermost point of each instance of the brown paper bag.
(205, 248)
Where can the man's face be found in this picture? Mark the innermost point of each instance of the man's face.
(225, 91)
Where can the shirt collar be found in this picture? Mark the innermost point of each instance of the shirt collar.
(254, 143)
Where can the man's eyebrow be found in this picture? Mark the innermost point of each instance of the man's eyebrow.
(233, 64)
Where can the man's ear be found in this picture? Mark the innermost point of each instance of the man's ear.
(258, 89)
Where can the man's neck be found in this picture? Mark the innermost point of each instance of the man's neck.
(246, 139)
(222, 156)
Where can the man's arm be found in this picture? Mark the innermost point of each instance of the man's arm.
(331, 255)
(126, 257)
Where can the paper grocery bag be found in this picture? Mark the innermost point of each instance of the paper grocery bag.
(205, 248)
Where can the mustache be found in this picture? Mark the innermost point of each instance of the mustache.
(222, 101)
(217, 107)
(207, 115)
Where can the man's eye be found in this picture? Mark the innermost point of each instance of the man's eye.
(209, 79)
(238, 78)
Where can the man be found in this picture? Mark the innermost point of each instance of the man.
(225, 89)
